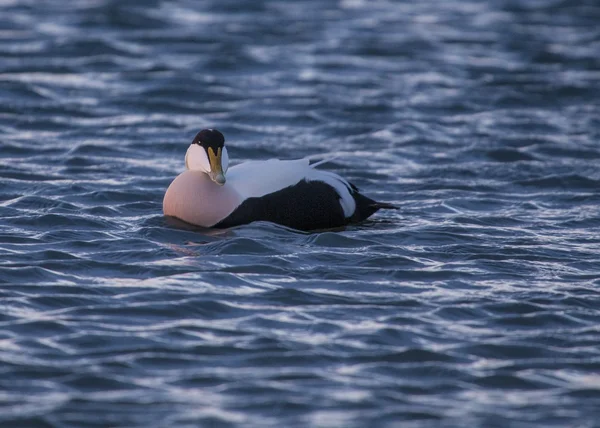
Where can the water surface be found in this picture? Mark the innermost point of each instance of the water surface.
(475, 304)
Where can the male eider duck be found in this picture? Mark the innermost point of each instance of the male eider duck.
(287, 192)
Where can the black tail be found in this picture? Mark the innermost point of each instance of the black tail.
(383, 206)
(366, 207)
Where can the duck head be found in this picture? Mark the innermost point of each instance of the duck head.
(208, 154)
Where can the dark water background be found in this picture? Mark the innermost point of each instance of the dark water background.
(476, 304)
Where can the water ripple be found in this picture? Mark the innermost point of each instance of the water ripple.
(475, 304)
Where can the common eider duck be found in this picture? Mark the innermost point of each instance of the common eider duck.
(291, 193)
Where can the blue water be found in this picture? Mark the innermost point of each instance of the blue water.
(477, 303)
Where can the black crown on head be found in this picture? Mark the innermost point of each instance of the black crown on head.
(209, 138)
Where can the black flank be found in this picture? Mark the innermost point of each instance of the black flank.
(308, 205)
(303, 206)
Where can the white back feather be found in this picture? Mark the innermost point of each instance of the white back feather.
(259, 178)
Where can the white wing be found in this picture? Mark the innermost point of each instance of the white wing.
(259, 178)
